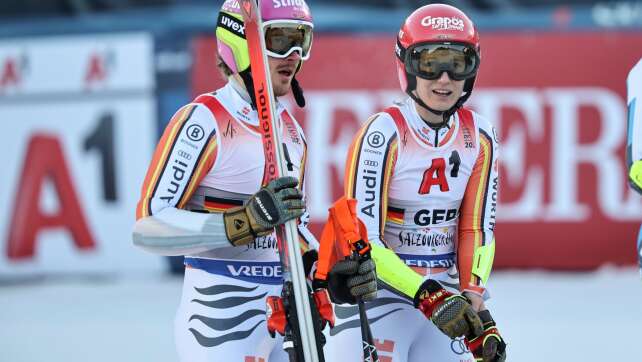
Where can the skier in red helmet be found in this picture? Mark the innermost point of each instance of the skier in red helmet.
(424, 173)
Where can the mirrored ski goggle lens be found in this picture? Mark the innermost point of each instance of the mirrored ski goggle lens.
(460, 62)
(282, 40)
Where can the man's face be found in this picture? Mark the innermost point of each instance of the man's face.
(282, 72)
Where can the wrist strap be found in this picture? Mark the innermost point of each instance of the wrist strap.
(237, 226)
(486, 318)
(429, 294)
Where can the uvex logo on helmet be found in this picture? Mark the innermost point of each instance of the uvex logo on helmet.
(443, 23)
(235, 26)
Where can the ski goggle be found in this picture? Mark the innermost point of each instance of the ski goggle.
(429, 61)
(282, 38)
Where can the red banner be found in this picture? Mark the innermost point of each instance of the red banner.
(559, 104)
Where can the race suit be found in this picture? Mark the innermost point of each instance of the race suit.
(427, 198)
(634, 138)
(210, 158)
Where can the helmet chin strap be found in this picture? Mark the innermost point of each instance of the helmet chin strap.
(468, 87)
(297, 91)
(246, 76)
(445, 114)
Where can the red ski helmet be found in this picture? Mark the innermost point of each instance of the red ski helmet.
(437, 24)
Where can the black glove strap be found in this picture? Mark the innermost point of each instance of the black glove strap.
(486, 318)
(263, 205)
(431, 286)
(309, 258)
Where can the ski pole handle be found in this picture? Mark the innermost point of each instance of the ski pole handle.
(361, 251)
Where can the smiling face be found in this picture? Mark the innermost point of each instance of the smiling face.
(282, 71)
(439, 94)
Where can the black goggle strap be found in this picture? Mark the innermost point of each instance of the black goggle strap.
(297, 92)
(246, 76)
(400, 51)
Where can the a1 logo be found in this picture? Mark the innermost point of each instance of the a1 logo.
(435, 175)
(45, 161)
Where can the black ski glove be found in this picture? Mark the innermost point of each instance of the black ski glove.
(272, 205)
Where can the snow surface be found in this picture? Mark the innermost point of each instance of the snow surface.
(544, 316)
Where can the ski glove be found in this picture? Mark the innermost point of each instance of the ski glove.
(320, 295)
(350, 280)
(489, 346)
(451, 313)
(272, 205)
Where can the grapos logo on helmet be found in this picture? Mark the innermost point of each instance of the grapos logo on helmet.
(443, 23)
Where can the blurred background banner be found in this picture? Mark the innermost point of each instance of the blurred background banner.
(87, 87)
(559, 104)
(84, 99)
(79, 121)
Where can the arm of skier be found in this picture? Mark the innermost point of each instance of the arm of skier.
(476, 242)
(185, 154)
(634, 135)
(178, 165)
(476, 245)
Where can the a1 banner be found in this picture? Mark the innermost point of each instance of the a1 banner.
(558, 102)
(78, 121)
